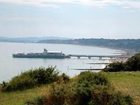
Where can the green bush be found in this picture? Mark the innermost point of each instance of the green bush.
(44, 75)
(85, 84)
(115, 67)
(93, 78)
(107, 96)
(132, 64)
(31, 78)
(63, 78)
(86, 89)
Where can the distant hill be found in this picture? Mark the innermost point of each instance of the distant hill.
(30, 39)
(126, 44)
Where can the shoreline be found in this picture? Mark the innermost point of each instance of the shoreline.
(121, 49)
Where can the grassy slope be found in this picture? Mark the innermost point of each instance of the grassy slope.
(128, 83)
(20, 97)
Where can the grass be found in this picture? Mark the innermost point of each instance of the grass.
(20, 97)
(126, 82)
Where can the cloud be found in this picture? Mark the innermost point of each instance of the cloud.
(97, 3)
(131, 4)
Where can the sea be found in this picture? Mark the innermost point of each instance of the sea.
(10, 67)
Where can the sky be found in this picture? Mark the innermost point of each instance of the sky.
(119, 19)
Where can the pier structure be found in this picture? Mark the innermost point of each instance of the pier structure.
(99, 56)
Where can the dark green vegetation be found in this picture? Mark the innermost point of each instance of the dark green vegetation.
(128, 83)
(86, 89)
(31, 79)
(130, 44)
(132, 64)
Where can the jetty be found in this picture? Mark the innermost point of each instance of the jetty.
(100, 56)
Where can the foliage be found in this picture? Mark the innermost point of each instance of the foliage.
(87, 89)
(38, 101)
(126, 82)
(105, 96)
(132, 64)
(31, 79)
(63, 78)
(115, 67)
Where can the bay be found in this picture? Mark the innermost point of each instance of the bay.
(10, 67)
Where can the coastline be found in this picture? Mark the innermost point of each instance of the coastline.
(124, 50)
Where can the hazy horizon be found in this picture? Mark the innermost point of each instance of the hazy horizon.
(109, 19)
(62, 37)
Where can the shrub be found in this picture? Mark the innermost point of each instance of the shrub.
(86, 83)
(19, 83)
(63, 78)
(44, 75)
(115, 67)
(87, 89)
(93, 78)
(31, 78)
(107, 96)
(132, 64)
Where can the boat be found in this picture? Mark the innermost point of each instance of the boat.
(44, 54)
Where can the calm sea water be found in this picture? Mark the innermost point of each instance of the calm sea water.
(10, 66)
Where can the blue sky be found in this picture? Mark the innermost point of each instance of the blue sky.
(70, 18)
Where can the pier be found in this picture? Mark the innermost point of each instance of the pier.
(100, 56)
